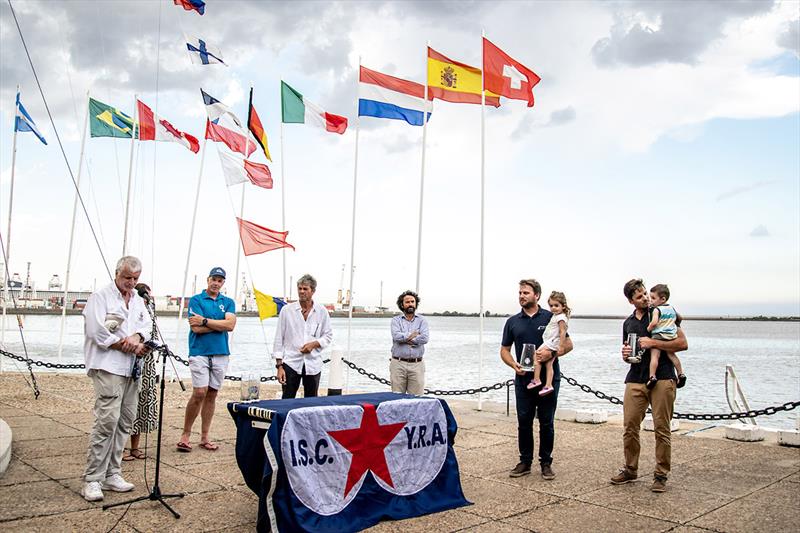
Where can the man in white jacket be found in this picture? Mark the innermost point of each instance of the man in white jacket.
(116, 327)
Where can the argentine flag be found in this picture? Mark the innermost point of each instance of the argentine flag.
(384, 96)
(24, 122)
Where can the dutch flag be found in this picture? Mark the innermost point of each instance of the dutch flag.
(24, 122)
(384, 96)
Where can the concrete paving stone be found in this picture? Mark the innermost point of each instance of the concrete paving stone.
(230, 509)
(476, 420)
(794, 478)
(23, 420)
(223, 473)
(44, 429)
(487, 461)
(49, 405)
(50, 447)
(729, 482)
(38, 498)
(570, 480)
(689, 449)
(81, 421)
(496, 500)
(242, 528)
(60, 467)
(7, 411)
(569, 516)
(783, 493)
(688, 529)
(91, 520)
(471, 438)
(496, 527)
(752, 458)
(19, 473)
(750, 515)
(507, 428)
(452, 520)
(678, 504)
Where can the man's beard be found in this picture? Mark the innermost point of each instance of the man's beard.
(410, 310)
(528, 304)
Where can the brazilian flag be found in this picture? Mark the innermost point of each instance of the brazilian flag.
(107, 121)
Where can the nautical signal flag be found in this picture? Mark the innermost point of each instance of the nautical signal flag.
(235, 141)
(240, 170)
(384, 96)
(191, 5)
(154, 128)
(202, 53)
(107, 121)
(258, 239)
(506, 76)
(24, 122)
(267, 305)
(455, 82)
(255, 127)
(297, 110)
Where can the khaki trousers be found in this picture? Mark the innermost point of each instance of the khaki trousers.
(661, 399)
(115, 404)
(407, 377)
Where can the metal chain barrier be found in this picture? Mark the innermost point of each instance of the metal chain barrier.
(753, 413)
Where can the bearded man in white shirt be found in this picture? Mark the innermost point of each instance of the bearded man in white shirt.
(115, 328)
(303, 333)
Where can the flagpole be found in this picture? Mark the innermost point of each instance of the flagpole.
(336, 362)
(283, 212)
(130, 177)
(8, 233)
(72, 233)
(422, 171)
(191, 238)
(483, 194)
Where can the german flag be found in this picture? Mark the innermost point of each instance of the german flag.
(255, 127)
(455, 82)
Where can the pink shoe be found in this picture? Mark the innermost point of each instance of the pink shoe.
(545, 391)
(534, 383)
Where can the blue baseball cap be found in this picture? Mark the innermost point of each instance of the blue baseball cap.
(217, 271)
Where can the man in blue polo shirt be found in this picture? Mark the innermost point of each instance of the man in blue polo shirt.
(211, 317)
(527, 327)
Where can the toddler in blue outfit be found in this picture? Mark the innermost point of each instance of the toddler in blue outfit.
(663, 326)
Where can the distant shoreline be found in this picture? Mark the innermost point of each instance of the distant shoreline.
(344, 314)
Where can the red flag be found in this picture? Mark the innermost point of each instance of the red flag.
(154, 128)
(235, 141)
(506, 76)
(258, 174)
(258, 239)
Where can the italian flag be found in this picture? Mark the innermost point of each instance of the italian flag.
(297, 110)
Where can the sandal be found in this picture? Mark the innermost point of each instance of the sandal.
(210, 446)
(127, 455)
(651, 382)
(136, 453)
(183, 447)
(681, 380)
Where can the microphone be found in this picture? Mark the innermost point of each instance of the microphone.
(144, 293)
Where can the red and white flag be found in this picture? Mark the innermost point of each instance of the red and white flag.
(240, 170)
(154, 128)
(506, 76)
(258, 239)
(235, 141)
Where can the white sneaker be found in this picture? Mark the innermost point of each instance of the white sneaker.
(117, 483)
(92, 491)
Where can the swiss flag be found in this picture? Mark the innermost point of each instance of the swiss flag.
(506, 76)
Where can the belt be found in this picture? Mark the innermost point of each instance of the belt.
(410, 360)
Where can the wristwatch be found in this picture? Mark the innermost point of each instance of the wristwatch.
(205, 322)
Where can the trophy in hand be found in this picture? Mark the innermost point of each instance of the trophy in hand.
(527, 357)
(636, 353)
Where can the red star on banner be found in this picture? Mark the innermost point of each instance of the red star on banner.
(367, 443)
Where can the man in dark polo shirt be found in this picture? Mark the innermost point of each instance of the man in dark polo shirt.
(527, 327)
(638, 397)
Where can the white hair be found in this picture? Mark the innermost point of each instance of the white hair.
(129, 263)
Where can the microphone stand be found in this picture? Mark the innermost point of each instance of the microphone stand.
(155, 493)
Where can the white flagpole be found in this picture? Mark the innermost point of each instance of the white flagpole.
(283, 211)
(483, 194)
(191, 238)
(239, 248)
(8, 233)
(72, 233)
(422, 171)
(130, 177)
(336, 358)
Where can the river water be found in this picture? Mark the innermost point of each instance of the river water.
(765, 356)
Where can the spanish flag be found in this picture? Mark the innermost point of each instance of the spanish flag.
(455, 82)
(254, 124)
(267, 305)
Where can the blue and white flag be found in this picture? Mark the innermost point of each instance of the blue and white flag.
(384, 96)
(24, 122)
(202, 53)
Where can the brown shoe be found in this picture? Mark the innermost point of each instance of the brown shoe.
(659, 484)
(624, 476)
(522, 469)
(547, 473)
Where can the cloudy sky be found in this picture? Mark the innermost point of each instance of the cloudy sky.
(663, 144)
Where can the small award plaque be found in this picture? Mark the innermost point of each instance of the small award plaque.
(526, 360)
